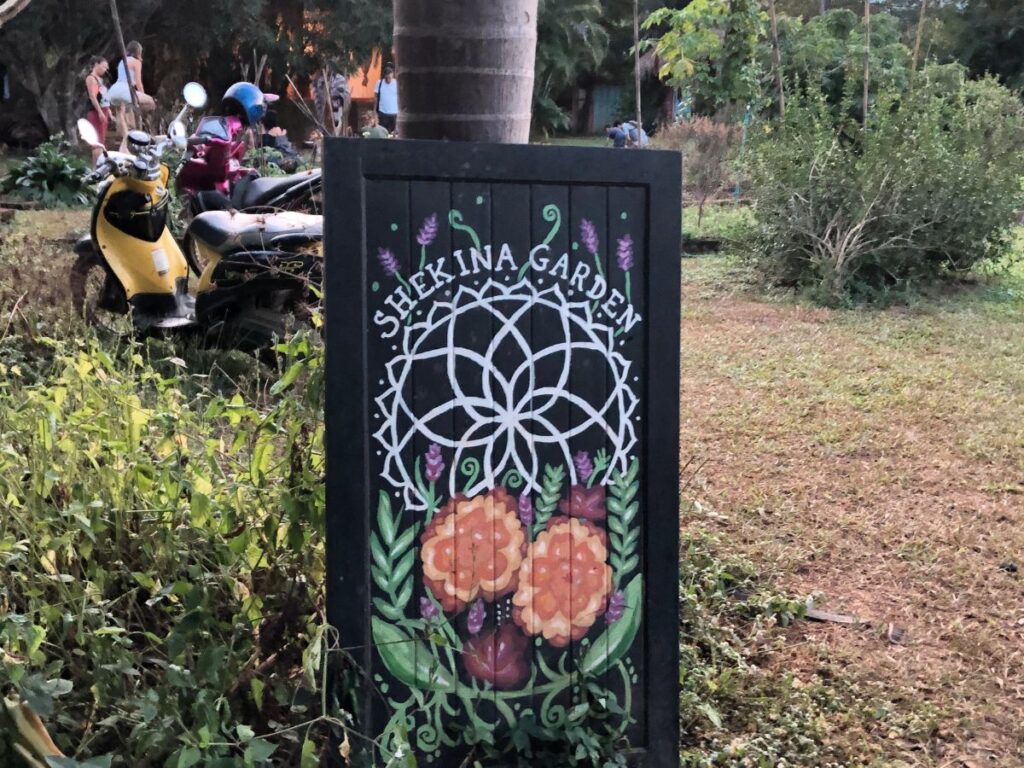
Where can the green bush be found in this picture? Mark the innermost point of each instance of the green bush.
(52, 174)
(161, 561)
(927, 191)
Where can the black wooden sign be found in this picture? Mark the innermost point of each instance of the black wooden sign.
(502, 416)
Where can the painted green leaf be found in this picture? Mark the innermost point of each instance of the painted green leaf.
(616, 641)
(379, 556)
(401, 570)
(385, 522)
(388, 610)
(404, 540)
(409, 660)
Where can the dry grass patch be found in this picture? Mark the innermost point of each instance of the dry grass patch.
(876, 457)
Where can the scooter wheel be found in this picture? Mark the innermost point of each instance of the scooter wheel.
(94, 291)
(251, 330)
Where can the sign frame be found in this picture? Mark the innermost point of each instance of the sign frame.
(351, 506)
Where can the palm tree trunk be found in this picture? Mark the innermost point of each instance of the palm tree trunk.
(465, 69)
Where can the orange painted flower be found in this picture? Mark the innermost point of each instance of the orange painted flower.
(473, 548)
(564, 581)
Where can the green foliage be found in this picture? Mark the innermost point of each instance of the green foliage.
(986, 36)
(52, 174)
(161, 560)
(571, 40)
(827, 53)
(732, 713)
(927, 191)
(711, 47)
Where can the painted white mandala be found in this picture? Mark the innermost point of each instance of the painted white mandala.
(508, 376)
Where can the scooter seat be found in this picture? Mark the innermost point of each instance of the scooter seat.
(229, 231)
(256, 192)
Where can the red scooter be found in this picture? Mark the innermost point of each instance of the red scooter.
(214, 178)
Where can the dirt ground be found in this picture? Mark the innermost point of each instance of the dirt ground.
(875, 457)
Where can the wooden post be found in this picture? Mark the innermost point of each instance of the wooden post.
(777, 57)
(636, 71)
(867, 57)
(418, 466)
(124, 57)
(920, 32)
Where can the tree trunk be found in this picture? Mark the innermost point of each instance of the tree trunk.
(636, 72)
(920, 32)
(777, 59)
(11, 8)
(822, 7)
(465, 69)
(867, 57)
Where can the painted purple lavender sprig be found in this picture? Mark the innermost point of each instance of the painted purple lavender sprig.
(584, 466)
(426, 236)
(475, 618)
(428, 609)
(624, 253)
(624, 257)
(435, 463)
(388, 261)
(588, 236)
(434, 469)
(526, 510)
(392, 268)
(616, 607)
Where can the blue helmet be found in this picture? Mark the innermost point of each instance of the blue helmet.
(246, 102)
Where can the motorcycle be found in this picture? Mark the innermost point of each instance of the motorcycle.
(260, 269)
(213, 178)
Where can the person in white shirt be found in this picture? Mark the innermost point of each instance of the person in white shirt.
(387, 99)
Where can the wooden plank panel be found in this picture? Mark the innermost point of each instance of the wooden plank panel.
(520, 349)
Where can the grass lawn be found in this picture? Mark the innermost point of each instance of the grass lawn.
(876, 457)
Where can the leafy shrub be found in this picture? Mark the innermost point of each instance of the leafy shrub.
(708, 147)
(52, 174)
(927, 191)
(731, 712)
(161, 561)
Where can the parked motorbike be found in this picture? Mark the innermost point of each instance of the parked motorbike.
(214, 178)
(260, 268)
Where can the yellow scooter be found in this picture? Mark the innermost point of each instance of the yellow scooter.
(260, 269)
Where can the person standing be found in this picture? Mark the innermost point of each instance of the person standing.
(99, 106)
(129, 75)
(387, 99)
(340, 96)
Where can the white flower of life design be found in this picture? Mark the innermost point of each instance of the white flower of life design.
(502, 397)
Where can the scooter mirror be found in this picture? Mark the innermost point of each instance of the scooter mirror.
(88, 133)
(178, 134)
(195, 95)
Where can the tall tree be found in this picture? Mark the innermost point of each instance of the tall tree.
(466, 69)
(49, 59)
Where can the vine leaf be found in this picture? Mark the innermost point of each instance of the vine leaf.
(549, 496)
